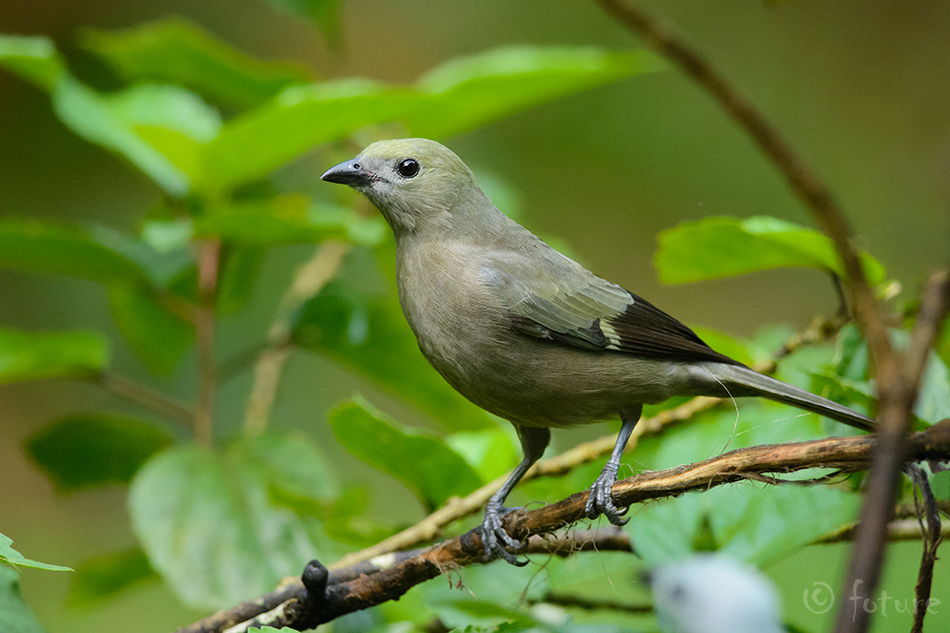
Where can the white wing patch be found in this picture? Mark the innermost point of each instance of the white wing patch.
(613, 339)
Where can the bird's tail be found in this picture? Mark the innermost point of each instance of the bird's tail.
(760, 385)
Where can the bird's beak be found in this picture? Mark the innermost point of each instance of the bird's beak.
(348, 173)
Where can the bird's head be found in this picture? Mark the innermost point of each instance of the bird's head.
(414, 183)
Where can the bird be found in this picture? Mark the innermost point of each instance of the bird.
(711, 593)
(527, 333)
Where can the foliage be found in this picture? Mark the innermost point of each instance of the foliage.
(15, 615)
(222, 514)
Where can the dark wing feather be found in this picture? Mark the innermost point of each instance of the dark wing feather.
(588, 312)
(645, 330)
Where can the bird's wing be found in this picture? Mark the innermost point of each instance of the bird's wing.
(580, 309)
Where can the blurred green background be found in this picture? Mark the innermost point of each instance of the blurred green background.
(862, 90)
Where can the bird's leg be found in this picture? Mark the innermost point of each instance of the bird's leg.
(599, 500)
(533, 442)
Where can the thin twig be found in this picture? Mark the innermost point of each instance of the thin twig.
(930, 316)
(145, 396)
(928, 517)
(209, 260)
(898, 530)
(587, 604)
(308, 281)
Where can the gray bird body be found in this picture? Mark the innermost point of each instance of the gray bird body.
(456, 302)
(527, 333)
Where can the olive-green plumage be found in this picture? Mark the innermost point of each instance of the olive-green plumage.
(526, 333)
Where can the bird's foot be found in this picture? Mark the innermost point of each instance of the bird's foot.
(599, 501)
(496, 540)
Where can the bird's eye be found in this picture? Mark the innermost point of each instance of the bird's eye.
(408, 168)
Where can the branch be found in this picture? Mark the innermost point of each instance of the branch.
(145, 396)
(454, 509)
(209, 262)
(389, 577)
(897, 381)
(928, 518)
(576, 602)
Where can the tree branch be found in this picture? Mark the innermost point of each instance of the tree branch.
(898, 378)
(897, 381)
(928, 518)
(388, 577)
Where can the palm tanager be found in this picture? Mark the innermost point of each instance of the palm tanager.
(528, 334)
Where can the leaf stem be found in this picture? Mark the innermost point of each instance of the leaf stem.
(145, 396)
(209, 260)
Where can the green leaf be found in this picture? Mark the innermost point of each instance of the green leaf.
(159, 129)
(156, 335)
(858, 394)
(933, 401)
(325, 14)
(456, 97)
(466, 93)
(425, 463)
(762, 524)
(15, 615)
(287, 220)
(239, 269)
(293, 468)
(751, 522)
(356, 320)
(104, 577)
(48, 247)
(176, 51)
(160, 261)
(725, 344)
(722, 247)
(942, 344)
(301, 117)
(93, 449)
(15, 558)
(165, 236)
(210, 523)
(33, 58)
(167, 156)
(38, 355)
(491, 452)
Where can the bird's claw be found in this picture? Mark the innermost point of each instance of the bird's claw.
(600, 501)
(496, 540)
